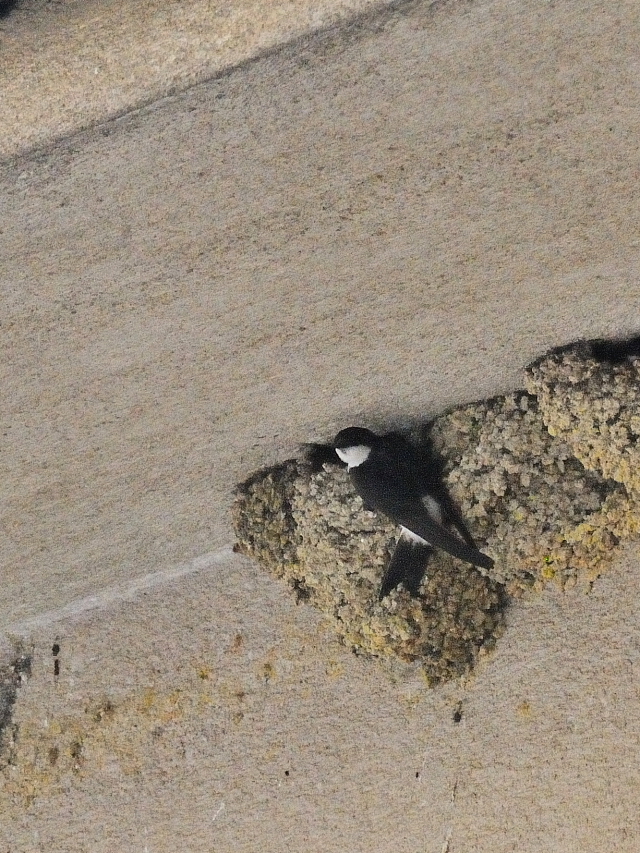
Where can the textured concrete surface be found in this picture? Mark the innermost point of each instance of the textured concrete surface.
(68, 64)
(214, 714)
(369, 225)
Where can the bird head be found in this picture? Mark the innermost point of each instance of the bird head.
(353, 445)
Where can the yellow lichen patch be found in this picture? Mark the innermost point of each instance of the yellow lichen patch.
(204, 672)
(525, 710)
(268, 671)
(334, 669)
(101, 710)
(105, 732)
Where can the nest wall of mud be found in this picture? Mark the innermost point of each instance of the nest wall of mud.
(546, 479)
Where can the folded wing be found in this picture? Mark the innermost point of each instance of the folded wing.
(390, 488)
(419, 522)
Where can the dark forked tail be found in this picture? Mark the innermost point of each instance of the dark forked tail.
(407, 565)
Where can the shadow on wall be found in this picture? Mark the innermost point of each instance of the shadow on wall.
(12, 676)
(615, 352)
(7, 6)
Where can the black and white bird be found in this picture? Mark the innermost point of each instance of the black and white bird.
(389, 475)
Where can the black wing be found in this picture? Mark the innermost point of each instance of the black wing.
(451, 515)
(387, 483)
(424, 469)
(430, 466)
(420, 522)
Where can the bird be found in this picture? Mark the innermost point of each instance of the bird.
(390, 475)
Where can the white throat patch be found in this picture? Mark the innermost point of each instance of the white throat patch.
(354, 456)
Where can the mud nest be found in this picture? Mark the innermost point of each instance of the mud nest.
(311, 530)
(546, 479)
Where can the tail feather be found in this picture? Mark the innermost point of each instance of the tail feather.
(407, 565)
